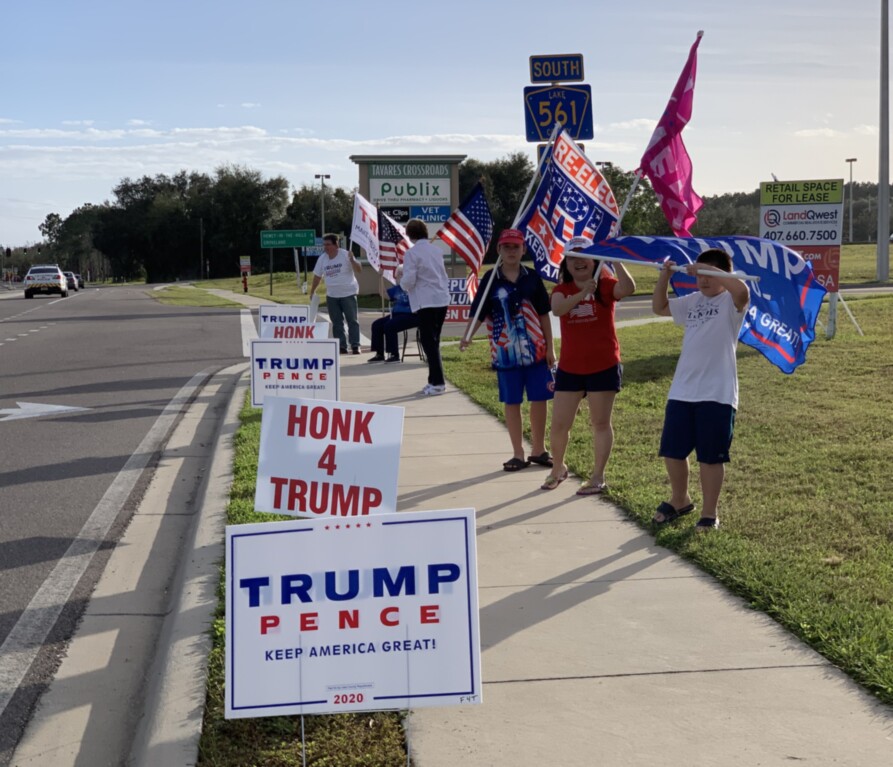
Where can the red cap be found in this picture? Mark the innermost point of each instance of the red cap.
(511, 236)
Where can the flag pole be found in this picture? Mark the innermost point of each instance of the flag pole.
(533, 178)
(555, 130)
(629, 197)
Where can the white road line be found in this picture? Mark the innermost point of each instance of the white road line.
(34, 625)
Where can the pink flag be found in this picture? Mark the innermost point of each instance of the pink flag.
(666, 162)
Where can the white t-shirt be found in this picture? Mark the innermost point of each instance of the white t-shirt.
(707, 370)
(338, 274)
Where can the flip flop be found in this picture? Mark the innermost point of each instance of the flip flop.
(515, 464)
(543, 459)
(592, 488)
(552, 481)
(670, 513)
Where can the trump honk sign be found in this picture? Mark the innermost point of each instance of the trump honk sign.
(325, 459)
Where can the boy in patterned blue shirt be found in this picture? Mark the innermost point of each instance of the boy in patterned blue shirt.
(520, 333)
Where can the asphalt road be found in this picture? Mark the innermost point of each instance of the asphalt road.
(118, 358)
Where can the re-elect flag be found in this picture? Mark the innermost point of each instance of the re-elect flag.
(784, 303)
(469, 228)
(573, 200)
(364, 230)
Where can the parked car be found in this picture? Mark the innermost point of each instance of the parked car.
(45, 279)
(72, 280)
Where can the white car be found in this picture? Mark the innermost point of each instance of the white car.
(45, 279)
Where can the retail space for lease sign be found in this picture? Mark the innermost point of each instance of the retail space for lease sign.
(352, 615)
(806, 216)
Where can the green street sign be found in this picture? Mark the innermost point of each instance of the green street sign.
(287, 238)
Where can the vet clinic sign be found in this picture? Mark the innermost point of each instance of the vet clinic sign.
(352, 615)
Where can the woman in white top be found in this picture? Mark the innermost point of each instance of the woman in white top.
(424, 278)
(339, 269)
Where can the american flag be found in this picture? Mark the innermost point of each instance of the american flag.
(469, 229)
(392, 242)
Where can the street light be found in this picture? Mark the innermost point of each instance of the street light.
(851, 160)
(322, 199)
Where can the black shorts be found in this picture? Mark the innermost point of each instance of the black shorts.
(605, 380)
(705, 427)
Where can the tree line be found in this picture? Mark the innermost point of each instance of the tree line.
(195, 225)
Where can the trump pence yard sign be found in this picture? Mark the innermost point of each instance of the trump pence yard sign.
(328, 459)
(350, 615)
(291, 368)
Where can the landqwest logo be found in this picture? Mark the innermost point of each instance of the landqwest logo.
(772, 217)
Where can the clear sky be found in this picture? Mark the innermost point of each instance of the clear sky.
(94, 91)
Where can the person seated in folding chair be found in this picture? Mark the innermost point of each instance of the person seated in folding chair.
(385, 330)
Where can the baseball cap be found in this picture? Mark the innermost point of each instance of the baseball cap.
(576, 243)
(511, 236)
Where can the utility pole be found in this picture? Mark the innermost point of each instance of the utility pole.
(851, 160)
(883, 197)
(201, 245)
(322, 199)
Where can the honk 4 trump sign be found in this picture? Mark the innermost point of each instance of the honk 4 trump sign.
(328, 459)
(350, 615)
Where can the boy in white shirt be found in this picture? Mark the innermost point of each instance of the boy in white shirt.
(703, 398)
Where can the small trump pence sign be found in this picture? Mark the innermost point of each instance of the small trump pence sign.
(286, 368)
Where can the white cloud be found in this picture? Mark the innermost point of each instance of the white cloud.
(249, 105)
(138, 123)
(644, 124)
(75, 123)
(817, 133)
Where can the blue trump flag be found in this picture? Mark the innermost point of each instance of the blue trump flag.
(784, 304)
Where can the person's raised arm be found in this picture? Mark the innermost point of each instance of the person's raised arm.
(660, 299)
(626, 285)
(354, 264)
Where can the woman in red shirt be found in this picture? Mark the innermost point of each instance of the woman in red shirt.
(589, 363)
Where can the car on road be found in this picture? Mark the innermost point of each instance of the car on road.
(81, 283)
(72, 280)
(45, 279)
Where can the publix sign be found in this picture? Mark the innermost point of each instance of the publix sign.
(409, 183)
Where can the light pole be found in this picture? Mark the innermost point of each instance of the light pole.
(851, 160)
(322, 199)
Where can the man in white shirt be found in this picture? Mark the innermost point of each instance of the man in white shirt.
(339, 269)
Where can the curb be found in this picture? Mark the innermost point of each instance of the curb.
(174, 704)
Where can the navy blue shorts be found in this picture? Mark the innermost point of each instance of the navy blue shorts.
(535, 379)
(705, 427)
(605, 380)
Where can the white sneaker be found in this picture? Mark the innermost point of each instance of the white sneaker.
(431, 391)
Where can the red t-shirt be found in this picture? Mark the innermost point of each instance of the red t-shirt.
(588, 338)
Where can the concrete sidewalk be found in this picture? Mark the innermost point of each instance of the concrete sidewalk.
(599, 647)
